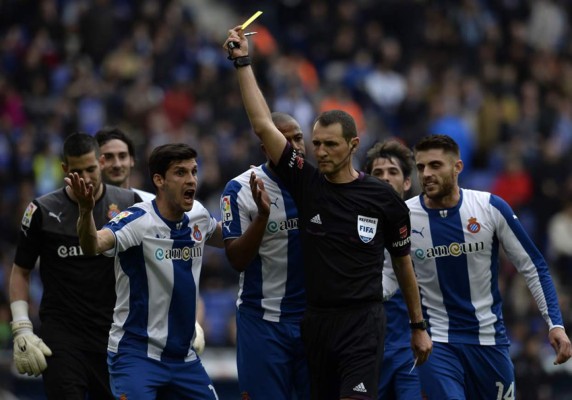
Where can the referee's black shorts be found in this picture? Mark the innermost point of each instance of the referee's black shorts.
(344, 348)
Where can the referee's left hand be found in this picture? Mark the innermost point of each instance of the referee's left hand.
(561, 344)
(421, 344)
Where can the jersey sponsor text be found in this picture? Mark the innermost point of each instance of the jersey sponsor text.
(454, 249)
(287, 225)
(184, 253)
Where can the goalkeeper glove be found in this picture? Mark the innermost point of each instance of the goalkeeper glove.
(29, 350)
(199, 342)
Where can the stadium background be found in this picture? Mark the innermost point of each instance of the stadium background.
(496, 75)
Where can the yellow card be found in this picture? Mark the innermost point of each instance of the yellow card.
(249, 20)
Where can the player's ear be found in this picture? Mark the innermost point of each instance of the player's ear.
(406, 184)
(353, 144)
(459, 166)
(158, 180)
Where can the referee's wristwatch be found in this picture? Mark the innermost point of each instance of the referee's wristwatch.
(421, 325)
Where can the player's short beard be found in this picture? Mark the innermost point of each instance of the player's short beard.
(446, 188)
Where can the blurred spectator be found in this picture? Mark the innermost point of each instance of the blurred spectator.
(514, 183)
(98, 29)
(48, 173)
(546, 25)
(445, 120)
(338, 97)
(385, 85)
(560, 239)
(533, 381)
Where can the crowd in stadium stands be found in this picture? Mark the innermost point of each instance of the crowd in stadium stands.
(496, 75)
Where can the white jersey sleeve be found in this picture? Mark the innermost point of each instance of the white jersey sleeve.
(390, 284)
(527, 259)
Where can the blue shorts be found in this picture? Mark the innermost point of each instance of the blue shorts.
(270, 359)
(397, 380)
(467, 371)
(139, 377)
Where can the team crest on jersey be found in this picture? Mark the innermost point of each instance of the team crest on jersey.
(120, 216)
(197, 235)
(403, 232)
(473, 226)
(367, 227)
(113, 211)
(225, 209)
(27, 218)
(244, 396)
(443, 213)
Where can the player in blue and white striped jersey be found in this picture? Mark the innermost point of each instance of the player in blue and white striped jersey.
(392, 162)
(117, 160)
(456, 238)
(158, 248)
(264, 246)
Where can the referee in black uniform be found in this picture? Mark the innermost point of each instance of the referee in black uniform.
(79, 291)
(346, 220)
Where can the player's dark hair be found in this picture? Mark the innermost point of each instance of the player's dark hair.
(443, 142)
(106, 134)
(349, 129)
(163, 156)
(281, 118)
(78, 144)
(388, 150)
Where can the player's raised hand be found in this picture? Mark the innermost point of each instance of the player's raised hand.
(259, 195)
(561, 344)
(83, 193)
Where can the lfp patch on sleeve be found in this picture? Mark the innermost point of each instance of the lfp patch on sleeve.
(367, 227)
(27, 218)
(225, 210)
(120, 216)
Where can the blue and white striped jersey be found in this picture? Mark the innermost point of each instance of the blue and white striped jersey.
(456, 256)
(272, 286)
(157, 269)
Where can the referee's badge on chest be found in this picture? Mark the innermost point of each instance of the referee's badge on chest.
(367, 227)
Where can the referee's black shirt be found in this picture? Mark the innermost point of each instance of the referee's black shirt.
(344, 230)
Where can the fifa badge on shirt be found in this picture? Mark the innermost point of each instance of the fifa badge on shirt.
(367, 228)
